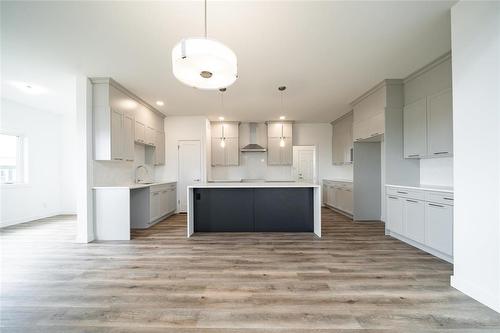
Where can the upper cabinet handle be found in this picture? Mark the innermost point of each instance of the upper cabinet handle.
(448, 199)
(402, 192)
(441, 152)
(413, 155)
(431, 204)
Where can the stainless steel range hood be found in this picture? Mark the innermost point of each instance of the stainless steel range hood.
(253, 146)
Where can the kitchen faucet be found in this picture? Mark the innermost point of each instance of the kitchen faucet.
(139, 180)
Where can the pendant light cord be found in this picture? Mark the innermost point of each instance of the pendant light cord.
(282, 111)
(205, 19)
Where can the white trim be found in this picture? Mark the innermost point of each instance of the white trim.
(32, 218)
(420, 246)
(480, 294)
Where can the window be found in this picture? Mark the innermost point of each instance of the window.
(12, 159)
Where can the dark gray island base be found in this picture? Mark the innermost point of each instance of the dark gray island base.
(258, 207)
(253, 209)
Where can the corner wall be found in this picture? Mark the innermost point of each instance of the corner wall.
(475, 30)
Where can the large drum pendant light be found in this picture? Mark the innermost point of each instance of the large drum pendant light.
(204, 63)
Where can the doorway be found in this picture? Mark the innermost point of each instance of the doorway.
(189, 172)
(304, 164)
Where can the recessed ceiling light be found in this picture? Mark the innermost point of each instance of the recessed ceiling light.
(160, 103)
(29, 88)
(282, 117)
(221, 118)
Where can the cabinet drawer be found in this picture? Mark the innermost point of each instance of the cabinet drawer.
(439, 197)
(406, 193)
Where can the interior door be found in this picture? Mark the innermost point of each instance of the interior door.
(189, 169)
(304, 164)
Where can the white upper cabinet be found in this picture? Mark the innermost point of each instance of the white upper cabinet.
(229, 154)
(120, 118)
(150, 136)
(117, 135)
(160, 148)
(276, 154)
(140, 132)
(428, 126)
(415, 129)
(342, 140)
(440, 124)
(369, 114)
(428, 111)
(279, 129)
(128, 137)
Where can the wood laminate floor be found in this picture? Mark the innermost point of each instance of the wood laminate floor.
(354, 279)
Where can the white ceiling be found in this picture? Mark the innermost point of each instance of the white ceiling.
(326, 53)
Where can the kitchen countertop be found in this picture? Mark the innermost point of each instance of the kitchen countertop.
(338, 180)
(254, 185)
(133, 186)
(425, 187)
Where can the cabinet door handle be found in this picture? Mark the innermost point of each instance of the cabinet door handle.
(118, 159)
(414, 155)
(401, 192)
(441, 152)
(393, 198)
(431, 204)
(415, 201)
(451, 199)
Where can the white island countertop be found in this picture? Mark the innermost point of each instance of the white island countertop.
(133, 186)
(255, 185)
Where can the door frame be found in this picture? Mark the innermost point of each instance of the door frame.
(315, 161)
(179, 171)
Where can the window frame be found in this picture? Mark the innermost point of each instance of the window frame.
(21, 160)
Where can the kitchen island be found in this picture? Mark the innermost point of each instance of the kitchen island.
(254, 207)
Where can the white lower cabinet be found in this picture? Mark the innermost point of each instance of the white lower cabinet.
(439, 227)
(338, 195)
(423, 218)
(414, 217)
(163, 201)
(394, 214)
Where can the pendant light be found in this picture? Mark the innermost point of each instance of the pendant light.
(223, 137)
(282, 138)
(204, 63)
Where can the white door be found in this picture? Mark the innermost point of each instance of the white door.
(304, 164)
(189, 169)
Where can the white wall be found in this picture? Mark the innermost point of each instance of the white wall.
(320, 134)
(49, 191)
(182, 128)
(68, 163)
(436, 171)
(476, 106)
(254, 165)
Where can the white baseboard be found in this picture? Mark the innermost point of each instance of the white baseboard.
(475, 291)
(8, 223)
(420, 246)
